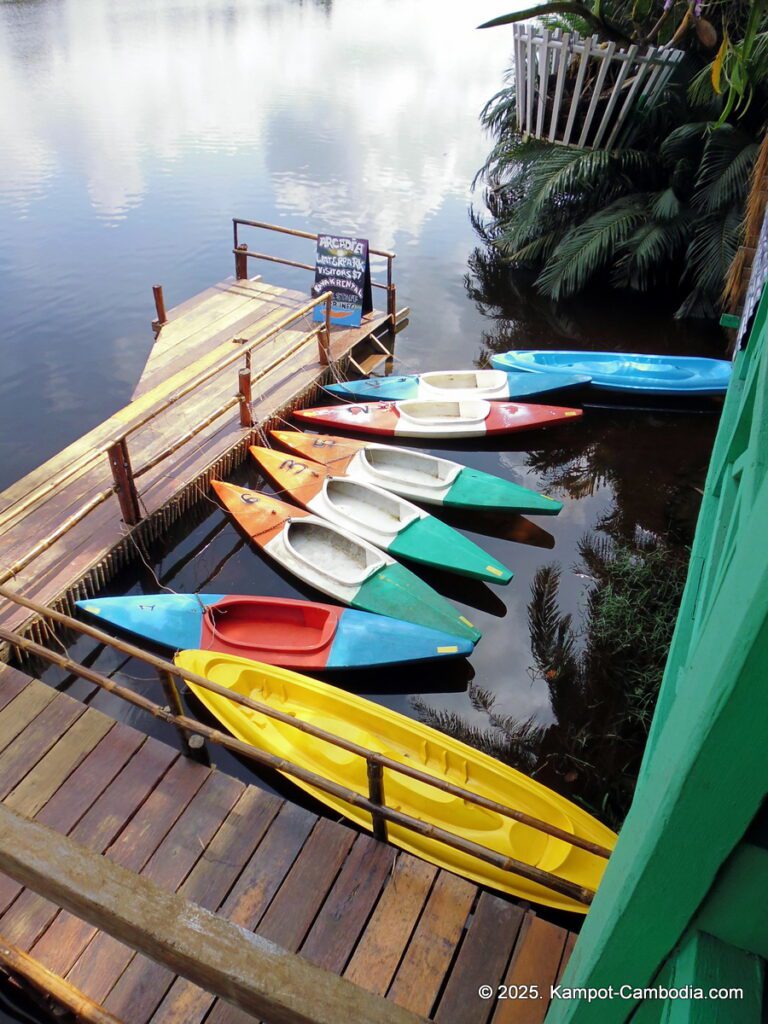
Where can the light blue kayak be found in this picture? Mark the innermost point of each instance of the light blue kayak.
(276, 630)
(627, 371)
(457, 386)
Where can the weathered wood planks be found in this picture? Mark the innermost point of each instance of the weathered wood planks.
(391, 924)
(74, 489)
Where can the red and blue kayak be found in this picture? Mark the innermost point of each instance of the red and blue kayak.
(419, 476)
(379, 516)
(470, 418)
(276, 631)
(334, 561)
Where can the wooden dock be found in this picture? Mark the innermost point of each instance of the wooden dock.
(242, 352)
(381, 918)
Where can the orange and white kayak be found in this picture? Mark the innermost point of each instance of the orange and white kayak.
(437, 419)
(379, 516)
(337, 563)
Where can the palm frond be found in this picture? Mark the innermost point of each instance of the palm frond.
(726, 164)
(591, 247)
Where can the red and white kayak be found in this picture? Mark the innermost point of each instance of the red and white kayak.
(437, 419)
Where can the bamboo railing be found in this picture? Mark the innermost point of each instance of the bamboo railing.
(116, 448)
(375, 761)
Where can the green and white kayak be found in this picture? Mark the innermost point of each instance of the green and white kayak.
(417, 475)
(339, 564)
(385, 519)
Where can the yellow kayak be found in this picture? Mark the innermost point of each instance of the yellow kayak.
(402, 739)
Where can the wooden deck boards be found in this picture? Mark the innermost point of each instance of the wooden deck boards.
(285, 368)
(382, 918)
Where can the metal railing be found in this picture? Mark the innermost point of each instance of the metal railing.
(374, 803)
(242, 254)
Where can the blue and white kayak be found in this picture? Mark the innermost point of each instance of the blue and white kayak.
(457, 385)
(276, 630)
(627, 371)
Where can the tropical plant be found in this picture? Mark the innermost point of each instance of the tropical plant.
(665, 213)
(602, 680)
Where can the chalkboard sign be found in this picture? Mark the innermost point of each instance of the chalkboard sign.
(342, 266)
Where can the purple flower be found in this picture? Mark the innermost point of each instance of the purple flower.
(668, 5)
(697, 9)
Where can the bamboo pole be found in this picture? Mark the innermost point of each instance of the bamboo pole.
(16, 962)
(557, 884)
(61, 529)
(369, 755)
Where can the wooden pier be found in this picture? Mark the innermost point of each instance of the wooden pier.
(391, 924)
(141, 885)
(233, 360)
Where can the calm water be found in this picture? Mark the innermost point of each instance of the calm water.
(132, 133)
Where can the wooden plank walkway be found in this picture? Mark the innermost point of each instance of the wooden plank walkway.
(286, 371)
(387, 921)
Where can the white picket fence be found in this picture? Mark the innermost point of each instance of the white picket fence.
(543, 59)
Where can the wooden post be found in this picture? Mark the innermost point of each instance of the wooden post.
(376, 796)
(391, 295)
(196, 750)
(324, 337)
(120, 464)
(241, 262)
(244, 394)
(157, 291)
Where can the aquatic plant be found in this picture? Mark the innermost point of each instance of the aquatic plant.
(665, 213)
(603, 678)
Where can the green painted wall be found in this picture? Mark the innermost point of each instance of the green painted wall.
(705, 771)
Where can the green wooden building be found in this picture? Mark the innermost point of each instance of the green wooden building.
(684, 900)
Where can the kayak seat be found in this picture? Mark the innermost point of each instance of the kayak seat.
(437, 413)
(328, 551)
(270, 625)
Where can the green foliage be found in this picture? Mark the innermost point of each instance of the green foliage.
(602, 680)
(665, 212)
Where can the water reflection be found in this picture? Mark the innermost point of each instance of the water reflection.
(131, 133)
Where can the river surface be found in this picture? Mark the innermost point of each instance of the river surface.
(131, 134)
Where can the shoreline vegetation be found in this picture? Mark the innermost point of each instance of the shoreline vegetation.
(664, 213)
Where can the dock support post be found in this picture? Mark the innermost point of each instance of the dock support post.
(125, 485)
(376, 796)
(324, 337)
(391, 296)
(244, 395)
(157, 291)
(241, 262)
(192, 744)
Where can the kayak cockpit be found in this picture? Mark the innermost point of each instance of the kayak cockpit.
(375, 509)
(492, 382)
(325, 549)
(268, 625)
(398, 465)
(439, 413)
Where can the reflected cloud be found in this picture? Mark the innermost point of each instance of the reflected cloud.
(125, 89)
